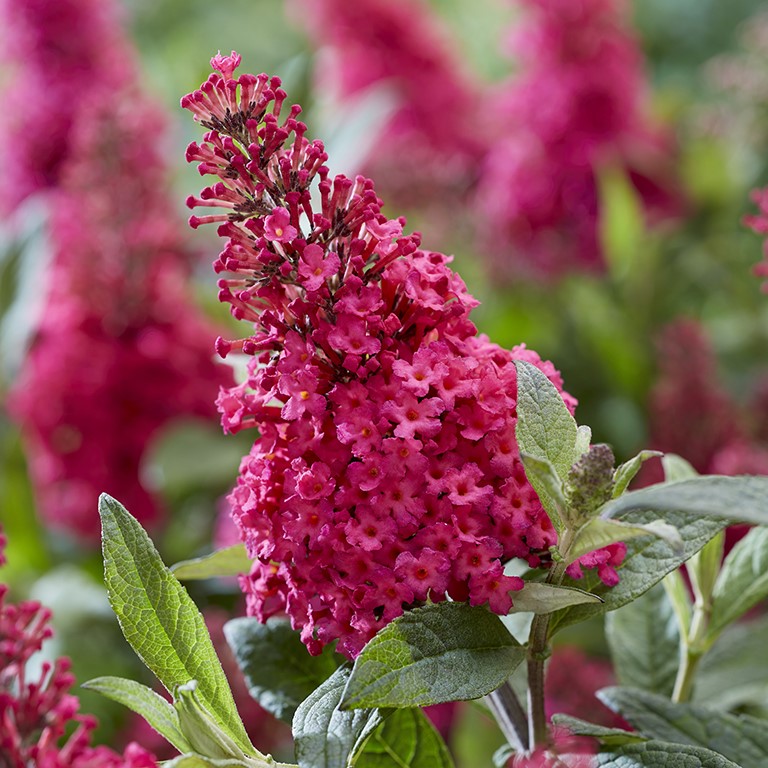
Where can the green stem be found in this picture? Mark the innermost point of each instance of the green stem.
(693, 650)
(539, 651)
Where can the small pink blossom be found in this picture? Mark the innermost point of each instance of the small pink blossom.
(315, 267)
(278, 228)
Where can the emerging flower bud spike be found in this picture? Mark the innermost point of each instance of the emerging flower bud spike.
(386, 472)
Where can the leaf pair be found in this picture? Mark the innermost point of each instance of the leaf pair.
(168, 633)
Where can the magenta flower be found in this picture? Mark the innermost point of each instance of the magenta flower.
(406, 485)
(758, 223)
(578, 105)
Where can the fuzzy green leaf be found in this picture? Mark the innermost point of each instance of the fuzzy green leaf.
(677, 468)
(647, 561)
(626, 472)
(230, 561)
(545, 428)
(537, 597)
(324, 735)
(598, 533)
(541, 474)
(662, 754)
(406, 739)
(739, 738)
(612, 737)
(734, 673)
(276, 665)
(159, 619)
(734, 499)
(158, 712)
(645, 640)
(743, 581)
(438, 653)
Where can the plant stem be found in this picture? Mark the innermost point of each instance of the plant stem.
(510, 716)
(692, 652)
(538, 652)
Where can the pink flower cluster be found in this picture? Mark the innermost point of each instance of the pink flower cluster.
(386, 472)
(398, 45)
(758, 222)
(578, 105)
(39, 723)
(119, 350)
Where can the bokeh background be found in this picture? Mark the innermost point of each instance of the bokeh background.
(589, 164)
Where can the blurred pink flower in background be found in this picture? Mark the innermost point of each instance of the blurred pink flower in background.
(577, 105)
(119, 349)
(572, 680)
(432, 141)
(758, 222)
(694, 416)
(57, 54)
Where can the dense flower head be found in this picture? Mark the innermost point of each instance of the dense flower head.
(118, 349)
(399, 45)
(386, 472)
(39, 720)
(577, 105)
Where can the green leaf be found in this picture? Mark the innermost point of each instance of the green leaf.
(743, 581)
(612, 737)
(198, 761)
(677, 468)
(406, 739)
(230, 561)
(647, 561)
(734, 673)
(324, 735)
(438, 653)
(276, 665)
(621, 223)
(537, 597)
(541, 474)
(545, 428)
(735, 499)
(199, 726)
(598, 533)
(677, 591)
(704, 567)
(739, 738)
(159, 619)
(626, 472)
(645, 642)
(158, 712)
(662, 754)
